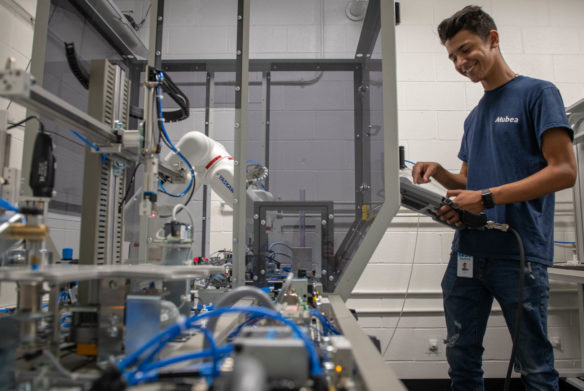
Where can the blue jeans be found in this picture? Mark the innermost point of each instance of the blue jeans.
(467, 305)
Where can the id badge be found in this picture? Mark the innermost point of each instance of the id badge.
(464, 268)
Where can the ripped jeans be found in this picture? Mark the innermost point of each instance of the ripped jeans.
(467, 305)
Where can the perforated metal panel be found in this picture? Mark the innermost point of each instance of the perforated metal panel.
(104, 179)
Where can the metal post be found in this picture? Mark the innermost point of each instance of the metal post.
(240, 129)
(209, 103)
(266, 88)
(55, 323)
(390, 150)
(362, 140)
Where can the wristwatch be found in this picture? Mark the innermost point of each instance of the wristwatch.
(487, 199)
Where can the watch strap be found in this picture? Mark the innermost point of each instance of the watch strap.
(487, 199)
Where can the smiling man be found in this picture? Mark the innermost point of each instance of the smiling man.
(516, 152)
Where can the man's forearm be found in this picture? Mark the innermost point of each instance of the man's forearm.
(548, 180)
(449, 180)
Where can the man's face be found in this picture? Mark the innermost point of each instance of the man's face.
(472, 57)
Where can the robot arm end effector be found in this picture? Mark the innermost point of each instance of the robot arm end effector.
(212, 163)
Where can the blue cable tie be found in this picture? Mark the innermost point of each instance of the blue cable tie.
(94, 147)
(409, 161)
(7, 205)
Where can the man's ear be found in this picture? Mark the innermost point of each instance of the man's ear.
(493, 39)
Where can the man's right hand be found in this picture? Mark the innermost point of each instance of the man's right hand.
(423, 171)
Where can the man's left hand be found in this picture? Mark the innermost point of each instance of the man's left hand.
(470, 200)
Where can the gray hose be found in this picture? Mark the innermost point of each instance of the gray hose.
(248, 375)
(230, 298)
(285, 288)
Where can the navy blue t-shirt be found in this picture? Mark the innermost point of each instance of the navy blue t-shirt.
(502, 143)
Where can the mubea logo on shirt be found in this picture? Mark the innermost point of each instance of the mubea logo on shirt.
(506, 118)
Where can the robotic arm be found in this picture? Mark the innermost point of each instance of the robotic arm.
(212, 164)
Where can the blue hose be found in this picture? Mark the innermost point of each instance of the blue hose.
(175, 330)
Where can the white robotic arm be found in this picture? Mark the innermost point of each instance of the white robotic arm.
(212, 163)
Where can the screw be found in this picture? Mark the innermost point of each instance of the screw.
(237, 88)
(263, 222)
(256, 216)
(331, 216)
(323, 222)
(113, 332)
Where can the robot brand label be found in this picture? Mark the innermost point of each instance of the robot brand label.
(224, 181)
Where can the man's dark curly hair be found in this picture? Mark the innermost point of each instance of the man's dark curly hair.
(471, 18)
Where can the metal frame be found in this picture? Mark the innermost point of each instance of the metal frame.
(380, 17)
(240, 139)
(209, 123)
(325, 208)
(87, 9)
(266, 88)
(373, 370)
(576, 117)
(359, 261)
(242, 67)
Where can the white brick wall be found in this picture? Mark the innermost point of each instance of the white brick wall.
(541, 38)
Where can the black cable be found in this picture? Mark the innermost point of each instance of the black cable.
(164, 136)
(128, 188)
(170, 88)
(17, 124)
(519, 308)
(80, 73)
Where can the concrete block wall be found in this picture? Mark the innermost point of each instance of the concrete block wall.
(433, 101)
(541, 38)
(538, 38)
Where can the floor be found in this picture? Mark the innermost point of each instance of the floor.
(490, 385)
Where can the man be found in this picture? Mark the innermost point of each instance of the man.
(516, 152)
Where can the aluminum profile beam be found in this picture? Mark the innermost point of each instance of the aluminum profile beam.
(125, 42)
(370, 30)
(240, 137)
(374, 371)
(392, 203)
(18, 86)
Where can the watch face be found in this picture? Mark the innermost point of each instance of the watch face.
(487, 198)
